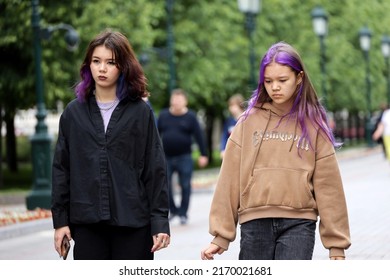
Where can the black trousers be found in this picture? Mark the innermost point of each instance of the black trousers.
(105, 242)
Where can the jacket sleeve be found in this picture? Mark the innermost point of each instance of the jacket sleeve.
(154, 176)
(331, 201)
(199, 135)
(224, 208)
(60, 179)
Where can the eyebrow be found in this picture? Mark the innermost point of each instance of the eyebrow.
(95, 56)
(278, 77)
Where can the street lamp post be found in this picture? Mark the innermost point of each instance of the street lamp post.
(385, 46)
(250, 8)
(320, 26)
(170, 46)
(40, 196)
(365, 42)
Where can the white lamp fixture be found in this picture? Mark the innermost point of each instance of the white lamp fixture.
(385, 46)
(249, 6)
(320, 21)
(365, 38)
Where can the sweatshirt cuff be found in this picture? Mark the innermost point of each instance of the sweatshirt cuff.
(221, 242)
(336, 252)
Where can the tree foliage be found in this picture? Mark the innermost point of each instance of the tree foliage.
(211, 48)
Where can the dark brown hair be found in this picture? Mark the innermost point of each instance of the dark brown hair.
(132, 81)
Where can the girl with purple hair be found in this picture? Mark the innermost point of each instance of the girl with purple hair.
(109, 178)
(280, 172)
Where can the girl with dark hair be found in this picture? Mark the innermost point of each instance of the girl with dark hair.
(109, 183)
(280, 171)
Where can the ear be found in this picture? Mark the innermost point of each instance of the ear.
(300, 77)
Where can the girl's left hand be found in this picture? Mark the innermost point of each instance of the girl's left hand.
(160, 241)
(337, 258)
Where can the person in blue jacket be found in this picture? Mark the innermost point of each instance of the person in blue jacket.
(236, 106)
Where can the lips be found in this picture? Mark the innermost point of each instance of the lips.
(102, 78)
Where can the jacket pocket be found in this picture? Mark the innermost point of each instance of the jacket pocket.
(125, 146)
(278, 187)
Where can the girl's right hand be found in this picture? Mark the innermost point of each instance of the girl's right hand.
(208, 253)
(59, 235)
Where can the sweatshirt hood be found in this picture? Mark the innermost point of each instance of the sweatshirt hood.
(269, 106)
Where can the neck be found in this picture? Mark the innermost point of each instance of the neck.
(237, 115)
(178, 111)
(285, 108)
(105, 95)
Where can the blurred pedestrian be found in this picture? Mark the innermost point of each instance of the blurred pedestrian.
(147, 101)
(110, 189)
(178, 126)
(236, 107)
(383, 131)
(379, 138)
(280, 171)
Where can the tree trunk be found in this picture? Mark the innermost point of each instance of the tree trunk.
(11, 142)
(1, 148)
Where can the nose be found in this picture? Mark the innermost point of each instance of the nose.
(275, 86)
(102, 67)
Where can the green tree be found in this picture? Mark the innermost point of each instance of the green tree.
(16, 85)
(17, 76)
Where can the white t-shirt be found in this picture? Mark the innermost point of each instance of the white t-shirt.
(386, 122)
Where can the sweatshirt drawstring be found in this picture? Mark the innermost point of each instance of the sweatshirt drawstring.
(261, 141)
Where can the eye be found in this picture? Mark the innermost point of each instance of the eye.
(112, 62)
(95, 61)
(267, 81)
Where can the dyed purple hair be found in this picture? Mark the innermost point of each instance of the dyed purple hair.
(306, 105)
(131, 82)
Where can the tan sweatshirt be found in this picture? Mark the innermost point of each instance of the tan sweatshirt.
(262, 176)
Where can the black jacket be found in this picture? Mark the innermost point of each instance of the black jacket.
(118, 177)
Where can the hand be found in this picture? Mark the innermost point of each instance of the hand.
(378, 132)
(208, 253)
(59, 234)
(339, 258)
(160, 241)
(203, 161)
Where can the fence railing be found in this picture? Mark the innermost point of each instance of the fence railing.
(350, 128)
(25, 122)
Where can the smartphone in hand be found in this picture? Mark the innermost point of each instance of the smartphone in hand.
(65, 247)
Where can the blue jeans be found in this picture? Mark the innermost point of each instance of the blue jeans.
(277, 239)
(183, 165)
